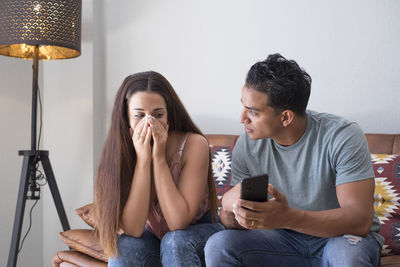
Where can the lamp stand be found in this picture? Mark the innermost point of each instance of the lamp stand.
(28, 175)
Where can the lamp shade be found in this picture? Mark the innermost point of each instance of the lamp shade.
(53, 25)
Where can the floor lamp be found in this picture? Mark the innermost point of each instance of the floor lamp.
(38, 30)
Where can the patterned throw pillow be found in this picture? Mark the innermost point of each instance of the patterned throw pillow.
(387, 199)
(221, 159)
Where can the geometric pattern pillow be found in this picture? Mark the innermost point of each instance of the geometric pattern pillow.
(387, 200)
(221, 160)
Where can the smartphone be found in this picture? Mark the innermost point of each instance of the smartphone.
(255, 188)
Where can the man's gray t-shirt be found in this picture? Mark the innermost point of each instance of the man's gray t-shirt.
(332, 151)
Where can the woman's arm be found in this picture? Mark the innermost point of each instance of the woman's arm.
(136, 208)
(134, 215)
(179, 204)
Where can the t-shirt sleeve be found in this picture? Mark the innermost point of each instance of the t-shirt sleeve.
(239, 166)
(352, 159)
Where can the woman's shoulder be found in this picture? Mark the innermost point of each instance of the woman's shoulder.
(196, 149)
(184, 140)
(196, 139)
(195, 143)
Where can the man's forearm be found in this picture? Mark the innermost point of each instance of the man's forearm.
(228, 201)
(334, 222)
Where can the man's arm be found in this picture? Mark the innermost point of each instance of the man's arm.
(354, 216)
(227, 211)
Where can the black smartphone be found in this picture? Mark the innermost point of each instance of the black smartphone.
(255, 188)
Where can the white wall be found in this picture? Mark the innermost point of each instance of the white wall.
(68, 135)
(204, 48)
(15, 127)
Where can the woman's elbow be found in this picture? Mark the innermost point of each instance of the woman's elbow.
(178, 226)
(179, 223)
(132, 230)
(137, 233)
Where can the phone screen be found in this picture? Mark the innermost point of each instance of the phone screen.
(255, 188)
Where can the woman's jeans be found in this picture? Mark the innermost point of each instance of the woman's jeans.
(289, 248)
(177, 248)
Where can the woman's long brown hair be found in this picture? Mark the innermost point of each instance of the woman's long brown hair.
(118, 159)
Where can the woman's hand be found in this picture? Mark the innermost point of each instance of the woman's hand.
(160, 136)
(141, 137)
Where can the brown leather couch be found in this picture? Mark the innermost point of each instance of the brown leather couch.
(86, 241)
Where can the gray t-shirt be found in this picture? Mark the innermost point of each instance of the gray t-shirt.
(332, 151)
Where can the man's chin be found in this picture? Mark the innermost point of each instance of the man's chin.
(252, 135)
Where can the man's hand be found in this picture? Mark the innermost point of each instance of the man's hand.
(269, 215)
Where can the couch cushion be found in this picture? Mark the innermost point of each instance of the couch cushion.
(85, 241)
(75, 258)
(390, 261)
(221, 159)
(387, 199)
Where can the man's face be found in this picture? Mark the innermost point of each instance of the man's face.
(259, 119)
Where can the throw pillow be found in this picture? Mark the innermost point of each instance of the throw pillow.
(87, 214)
(85, 241)
(387, 199)
(221, 159)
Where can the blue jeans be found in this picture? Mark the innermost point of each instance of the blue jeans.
(177, 248)
(289, 248)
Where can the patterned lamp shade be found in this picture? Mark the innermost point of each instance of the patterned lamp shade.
(53, 25)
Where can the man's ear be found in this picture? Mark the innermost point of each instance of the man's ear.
(287, 117)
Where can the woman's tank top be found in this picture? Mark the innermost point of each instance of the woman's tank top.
(155, 221)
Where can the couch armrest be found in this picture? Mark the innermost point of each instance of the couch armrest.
(75, 258)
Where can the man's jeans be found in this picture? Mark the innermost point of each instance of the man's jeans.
(289, 248)
(177, 248)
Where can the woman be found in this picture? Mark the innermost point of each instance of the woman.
(154, 193)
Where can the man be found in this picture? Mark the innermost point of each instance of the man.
(320, 174)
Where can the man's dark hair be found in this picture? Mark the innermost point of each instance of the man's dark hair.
(286, 84)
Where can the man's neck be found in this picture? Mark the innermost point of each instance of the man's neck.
(291, 134)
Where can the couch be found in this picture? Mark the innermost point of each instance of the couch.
(85, 249)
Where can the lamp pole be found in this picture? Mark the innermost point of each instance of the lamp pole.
(35, 83)
(28, 175)
(34, 190)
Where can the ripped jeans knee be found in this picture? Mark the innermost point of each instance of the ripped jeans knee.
(353, 239)
(351, 250)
